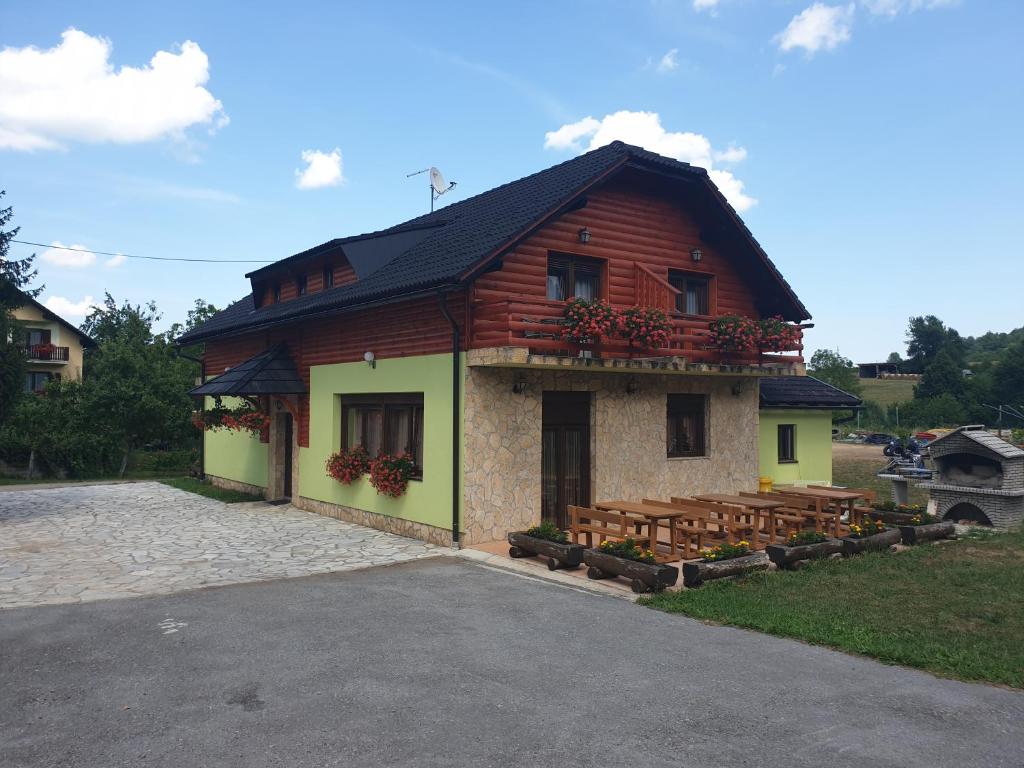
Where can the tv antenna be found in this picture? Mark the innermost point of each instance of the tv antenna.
(437, 184)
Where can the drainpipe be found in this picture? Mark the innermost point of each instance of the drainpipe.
(202, 437)
(456, 420)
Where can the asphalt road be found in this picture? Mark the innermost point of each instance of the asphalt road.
(443, 662)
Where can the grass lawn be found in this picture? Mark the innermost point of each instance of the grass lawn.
(210, 491)
(954, 609)
(885, 392)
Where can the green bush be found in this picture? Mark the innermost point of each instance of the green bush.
(163, 461)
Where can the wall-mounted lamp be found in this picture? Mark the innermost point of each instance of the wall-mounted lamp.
(696, 254)
(370, 358)
(584, 235)
(519, 387)
(631, 387)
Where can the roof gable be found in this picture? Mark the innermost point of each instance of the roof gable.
(803, 392)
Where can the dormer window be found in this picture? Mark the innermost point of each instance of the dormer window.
(300, 285)
(328, 277)
(277, 293)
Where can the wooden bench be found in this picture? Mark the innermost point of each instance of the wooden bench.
(732, 523)
(617, 526)
(814, 511)
(788, 520)
(691, 529)
(862, 507)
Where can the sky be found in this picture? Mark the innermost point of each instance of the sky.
(873, 147)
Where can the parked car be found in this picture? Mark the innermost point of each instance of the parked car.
(879, 438)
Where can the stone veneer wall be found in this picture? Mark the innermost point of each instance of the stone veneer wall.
(235, 485)
(386, 523)
(502, 449)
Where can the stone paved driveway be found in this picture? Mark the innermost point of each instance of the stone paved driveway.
(76, 544)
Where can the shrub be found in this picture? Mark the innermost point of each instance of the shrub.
(549, 532)
(390, 474)
(627, 550)
(347, 466)
(163, 461)
(726, 551)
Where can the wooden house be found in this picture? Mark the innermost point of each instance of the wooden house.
(444, 337)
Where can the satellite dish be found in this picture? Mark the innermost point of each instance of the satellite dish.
(437, 181)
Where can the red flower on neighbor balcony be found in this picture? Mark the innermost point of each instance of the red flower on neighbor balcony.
(586, 320)
(347, 466)
(645, 326)
(390, 474)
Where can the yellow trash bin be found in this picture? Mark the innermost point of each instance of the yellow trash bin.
(764, 485)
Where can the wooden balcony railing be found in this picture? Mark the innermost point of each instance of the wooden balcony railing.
(47, 352)
(537, 323)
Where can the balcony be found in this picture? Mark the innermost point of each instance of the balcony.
(47, 353)
(524, 327)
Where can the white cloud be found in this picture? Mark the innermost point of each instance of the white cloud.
(645, 129)
(818, 27)
(669, 61)
(115, 261)
(705, 5)
(895, 7)
(67, 308)
(72, 92)
(323, 169)
(61, 255)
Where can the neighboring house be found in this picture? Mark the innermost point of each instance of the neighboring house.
(440, 337)
(796, 428)
(53, 345)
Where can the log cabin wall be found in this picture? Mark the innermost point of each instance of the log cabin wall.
(394, 330)
(630, 223)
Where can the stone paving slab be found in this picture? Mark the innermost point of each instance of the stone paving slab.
(83, 543)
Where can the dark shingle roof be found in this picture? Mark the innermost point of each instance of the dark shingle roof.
(804, 392)
(271, 372)
(461, 237)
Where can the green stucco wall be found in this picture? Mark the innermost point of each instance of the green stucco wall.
(427, 501)
(235, 455)
(813, 446)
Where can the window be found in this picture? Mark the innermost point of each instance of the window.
(692, 298)
(685, 433)
(300, 285)
(390, 423)
(277, 292)
(37, 336)
(787, 443)
(328, 277)
(36, 382)
(573, 276)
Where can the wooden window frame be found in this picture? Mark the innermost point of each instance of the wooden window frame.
(675, 401)
(301, 285)
(275, 293)
(386, 403)
(570, 261)
(781, 430)
(678, 278)
(328, 277)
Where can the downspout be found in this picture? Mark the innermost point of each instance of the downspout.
(202, 437)
(456, 416)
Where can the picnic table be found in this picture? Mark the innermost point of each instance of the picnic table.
(835, 497)
(654, 517)
(755, 505)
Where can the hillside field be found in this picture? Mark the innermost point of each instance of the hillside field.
(885, 392)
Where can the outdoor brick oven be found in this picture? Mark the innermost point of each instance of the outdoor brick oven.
(979, 477)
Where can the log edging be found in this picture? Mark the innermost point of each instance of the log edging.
(644, 577)
(785, 557)
(559, 555)
(877, 541)
(696, 573)
(916, 534)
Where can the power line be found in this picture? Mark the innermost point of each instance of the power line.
(148, 258)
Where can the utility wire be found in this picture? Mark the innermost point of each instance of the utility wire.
(148, 258)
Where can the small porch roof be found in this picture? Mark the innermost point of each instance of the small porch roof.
(271, 372)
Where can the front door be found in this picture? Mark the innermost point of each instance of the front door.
(287, 455)
(565, 454)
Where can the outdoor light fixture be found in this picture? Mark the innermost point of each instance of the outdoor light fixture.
(584, 235)
(631, 387)
(696, 254)
(370, 358)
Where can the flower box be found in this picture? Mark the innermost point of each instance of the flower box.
(916, 534)
(559, 555)
(786, 557)
(696, 573)
(644, 577)
(855, 545)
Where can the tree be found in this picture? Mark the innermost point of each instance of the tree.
(942, 377)
(926, 337)
(834, 369)
(894, 359)
(1008, 377)
(15, 275)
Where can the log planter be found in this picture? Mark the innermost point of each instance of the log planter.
(558, 555)
(891, 518)
(917, 534)
(883, 540)
(644, 577)
(695, 574)
(788, 557)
